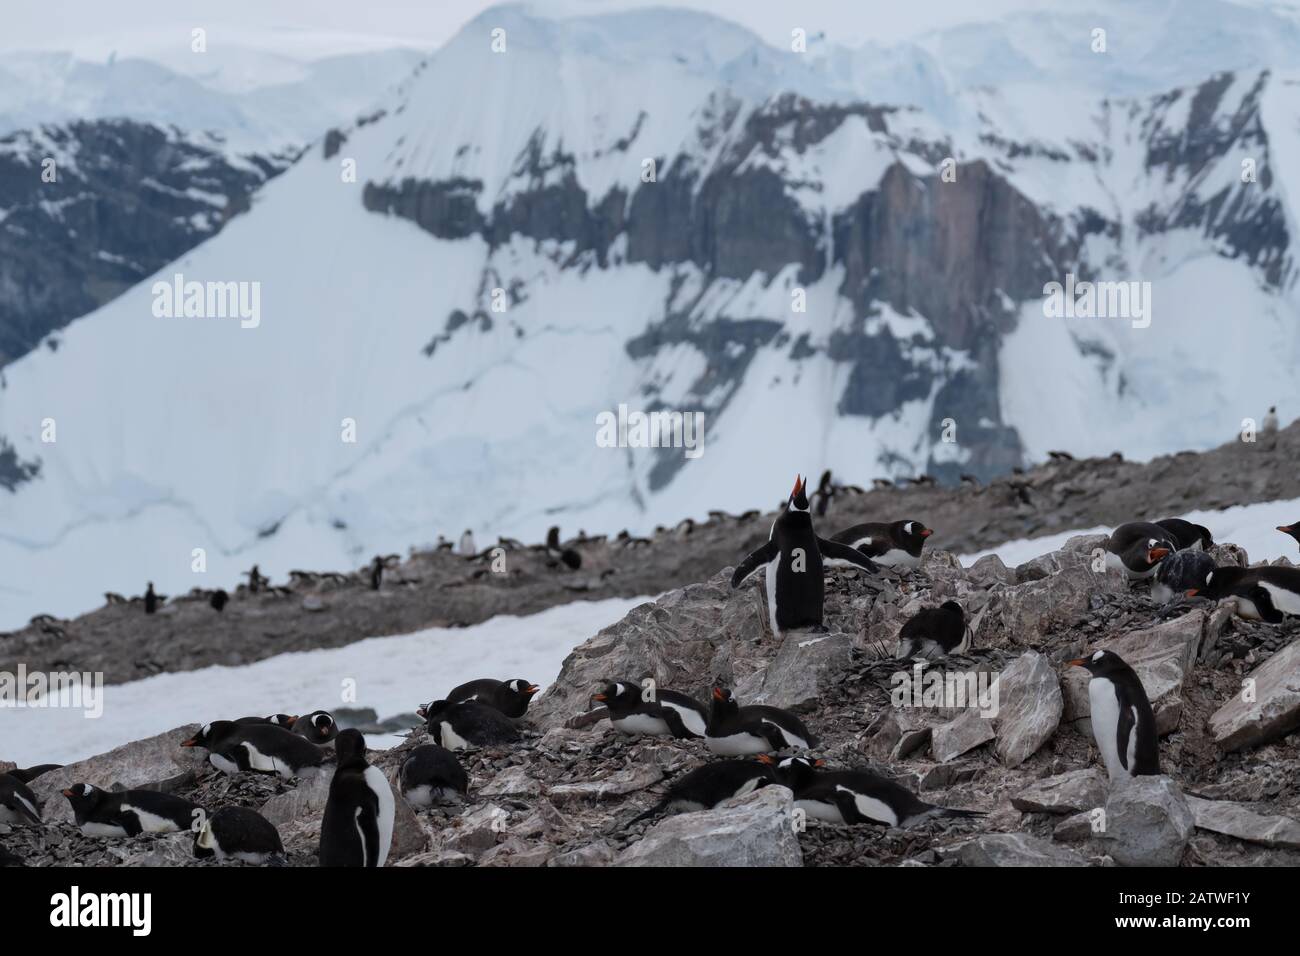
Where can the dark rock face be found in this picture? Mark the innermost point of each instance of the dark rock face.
(126, 199)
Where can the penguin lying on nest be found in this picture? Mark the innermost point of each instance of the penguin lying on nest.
(1260, 594)
(707, 786)
(854, 796)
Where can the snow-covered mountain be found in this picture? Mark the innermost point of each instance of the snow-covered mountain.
(501, 272)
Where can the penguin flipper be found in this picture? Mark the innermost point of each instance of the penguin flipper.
(1125, 727)
(368, 827)
(131, 824)
(836, 554)
(675, 723)
(757, 559)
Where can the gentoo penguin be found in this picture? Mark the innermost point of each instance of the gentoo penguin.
(511, 697)
(318, 726)
(1122, 722)
(665, 712)
(557, 552)
(27, 775)
(357, 828)
(792, 559)
(263, 748)
(1186, 535)
(280, 720)
(1269, 425)
(1293, 529)
(1262, 594)
(735, 731)
(17, 802)
(129, 812)
(1179, 572)
(1137, 547)
(219, 599)
(707, 786)
(466, 546)
(238, 833)
(854, 796)
(823, 495)
(150, 599)
(897, 544)
(934, 632)
(255, 579)
(468, 724)
(376, 573)
(432, 774)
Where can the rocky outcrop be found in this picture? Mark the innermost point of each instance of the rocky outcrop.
(1015, 849)
(1076, 791)
(1267, 705)
(1030, 706)
(1243, 822)
(1148, 822)
(754, 830)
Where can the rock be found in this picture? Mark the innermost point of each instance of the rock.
(1029, 708)
(1075, 828)
(1273, 709)
(593, 854)
(1245, 823)
(305, 800)
(1071, 792)
(988, 571)
(1018, 616)
(513, 781)
(1015, 849)
(1147, 823)
(799, 674)
(155, 763)
(476, 831)
(1162, 656)
(617, 784)
(516, 852)
(960, 735)
(753, 830)
(313, 603)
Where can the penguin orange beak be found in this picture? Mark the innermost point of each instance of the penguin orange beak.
(531, 689)
(1284, 528)
(717, 693)
(795, 492)
(1155, 554)
(189, 743)
(1077, 662)
(292, 720)
(67, 793)
(600, 697)
(767, 759)
(1193, 592)
(819, 762)
(926, 532)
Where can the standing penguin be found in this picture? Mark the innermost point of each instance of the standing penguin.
(1269, 425)
(357, 828)
(219, 599)
(934, 632)
(466, 546)
(896, 544)
(1122, 721)
(150, 599)
(824, 494)
(376, 573)
(792, 559)
(1137, 547)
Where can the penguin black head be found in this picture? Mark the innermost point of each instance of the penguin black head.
(795, 772)
(1218, 583)
(350, 746)
(281, 720)
(952, 607)
(724, 701)
(208, 733)
(798, 496)
(911, 533)
(522, 688)
(83, 796)
(320, 726)
(1293, 529)
(618, 696)
(1102, 663)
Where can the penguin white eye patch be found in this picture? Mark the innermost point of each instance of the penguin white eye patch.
(1098, 656)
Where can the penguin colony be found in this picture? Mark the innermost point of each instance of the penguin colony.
(357, 825)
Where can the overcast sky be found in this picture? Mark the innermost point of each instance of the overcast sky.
(93, 28)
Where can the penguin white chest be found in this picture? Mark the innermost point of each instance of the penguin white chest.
(769, 582)
(378, 783)
(634, 724)
(1104, 703)
(1288, 602)
(738, 745)
(821, 810)
(151, 822)
(898, 558)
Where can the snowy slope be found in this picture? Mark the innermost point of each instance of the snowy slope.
(775, 174)
(393, 675)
